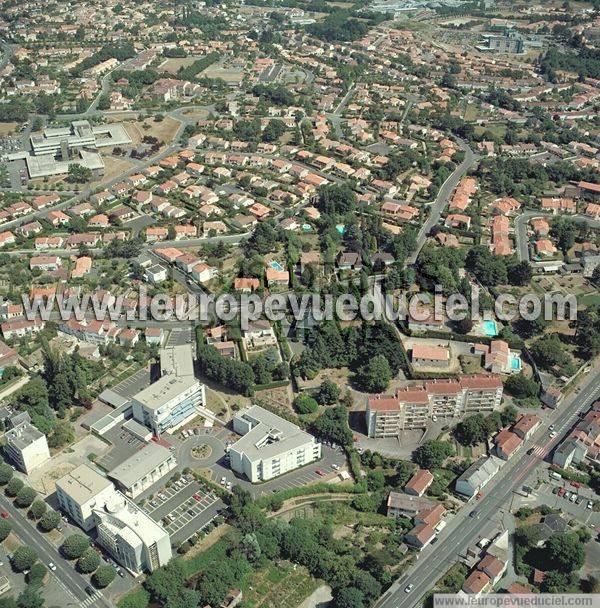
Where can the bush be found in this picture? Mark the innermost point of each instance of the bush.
(14, 486)
(24, 558)
(305, 404)
(75, 546)
(104, 576)
(138, 598)
(6, 473)
(89, 561)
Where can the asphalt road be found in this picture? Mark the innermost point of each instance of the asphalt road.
(69, 578)
(522, 220)
(463, 530)
(443, 197)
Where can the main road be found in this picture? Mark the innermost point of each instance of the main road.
(462, 531)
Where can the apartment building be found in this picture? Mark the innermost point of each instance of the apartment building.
(26, 446)
(412, 407)
(269, 446)
(174, 399)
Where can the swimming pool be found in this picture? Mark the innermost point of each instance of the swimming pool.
(341, 228)
(490, 328)
(275, 265)
(515, 363)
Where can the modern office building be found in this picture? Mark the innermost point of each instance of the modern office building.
(412, 407)
(135, 540)
(81, 491)
(131, 536)
(270, 445)
(174, 399)
(26, 446)
(143, 469)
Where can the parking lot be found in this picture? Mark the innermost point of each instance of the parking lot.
(184, 508)
(133, 384)
(180, 336)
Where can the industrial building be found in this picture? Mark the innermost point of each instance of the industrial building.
(269, 446)
(412, 407)
(142, 470)
(175, 398)
(25, 445)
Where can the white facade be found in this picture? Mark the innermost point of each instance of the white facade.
(270, 446)
(82, 490)
(135, 540)
(26, 446)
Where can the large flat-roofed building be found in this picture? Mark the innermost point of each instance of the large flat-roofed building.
(270, 445)
(131, 536)
(143, 469)
(82, 490)
(26, 446)
(410, 408)
(174, 399)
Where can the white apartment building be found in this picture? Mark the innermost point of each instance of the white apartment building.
(131, 536)
(410, 408)
(26, 446)
(143, 469)
(269, 446)
(81, 491)
(175, 398)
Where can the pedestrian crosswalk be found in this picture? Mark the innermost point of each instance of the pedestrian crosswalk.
(540, 451)
(90, 600)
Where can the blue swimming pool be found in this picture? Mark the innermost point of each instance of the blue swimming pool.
(490, 327)
(341, 228)
(275, 265)
(515, 363)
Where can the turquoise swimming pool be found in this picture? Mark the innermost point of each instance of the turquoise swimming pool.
(515, 363)
(341, 228)
(276, 265)
(490, 327)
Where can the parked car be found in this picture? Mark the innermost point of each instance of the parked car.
(4, 515)
(320, 472)
(52, 566)
(561, 491)
(197, 497)
(89, 590)
(590, 504)
(408, 588)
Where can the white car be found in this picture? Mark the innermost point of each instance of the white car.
(335, 467)
(223, 480)
(408, 588)
(590, 504)
(52, 566)
(573, 497)
(229, 485)
(552, 434)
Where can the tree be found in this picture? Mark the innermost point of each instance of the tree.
(349, 597)
(30, 598)
(328, 392)
(521, 387)
(374, 376)
(166, 581)
(5, 528)
(24, 558)
(520, 273)
(78, 174)
(305, 404)
(556, 582)
(74, 546)
(527, 536)
(104, 576)
(139, 598)
(25, 497)
(49, 520)
(566, 551)
(6, 473)
(433, 453)
(37, 574)
(38, 508)
(509, 415)
(549, 351)
(332, 425)
(14, 486)
(472, 430)
(336, 198)
(464, 326)
(563, 230)
(490, 269)
(89, 561)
